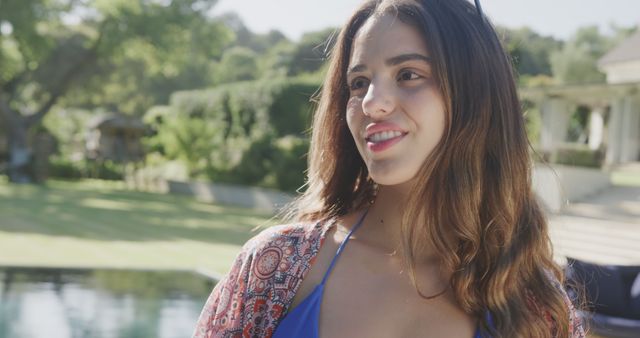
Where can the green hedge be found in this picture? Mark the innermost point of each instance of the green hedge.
(580, 157)
(282, 105)
(249, 133)
(60, 167)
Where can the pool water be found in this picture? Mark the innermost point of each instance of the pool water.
(57, 303)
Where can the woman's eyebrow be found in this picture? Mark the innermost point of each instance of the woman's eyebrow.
(357, 69)
(394, 61)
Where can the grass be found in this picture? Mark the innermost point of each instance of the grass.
(625, 178)
(100, 224)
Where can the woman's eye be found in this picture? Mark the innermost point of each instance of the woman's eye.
(407, 75)
(358, 83)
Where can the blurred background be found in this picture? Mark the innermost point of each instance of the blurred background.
(142, 141)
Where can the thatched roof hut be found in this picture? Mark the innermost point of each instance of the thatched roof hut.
(115, 137)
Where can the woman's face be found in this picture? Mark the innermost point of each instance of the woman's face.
(395, 111)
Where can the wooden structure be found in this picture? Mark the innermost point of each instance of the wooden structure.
(115, 137)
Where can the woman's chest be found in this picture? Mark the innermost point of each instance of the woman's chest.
(362, 302)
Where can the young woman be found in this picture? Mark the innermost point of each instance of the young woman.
(418, 219)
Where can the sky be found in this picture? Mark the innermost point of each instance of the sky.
(558, 18)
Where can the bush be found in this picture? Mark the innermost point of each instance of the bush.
(272, 163)
(256, 163)
(66, 169)
(533, 122)
(231, 133)
(63, 168)
(256, 106)
(580, 157)
(290, 111)
(106, 170)
(291, 163)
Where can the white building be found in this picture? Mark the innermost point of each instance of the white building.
(614, 123)
(622, 64)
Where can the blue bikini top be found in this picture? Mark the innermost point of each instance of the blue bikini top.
(303, 320)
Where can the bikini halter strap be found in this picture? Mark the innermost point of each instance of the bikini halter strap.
(342, 245)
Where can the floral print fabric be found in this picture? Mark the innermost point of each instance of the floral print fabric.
(252, 299)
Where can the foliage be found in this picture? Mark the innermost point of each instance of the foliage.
(237, 64)
(124, 56)
(310, 53)
(271, 162)
(275, 55)
(139, 51)
(536, 57)
(272, 51)
(533, 122)
(290, 163)
(151, 284)
(576, 62)
(257, 162)
(64, 168)
(69, 127)
(60, 167)
(274, 63)
(65, 60)
(529, 50)
(231, 133)
(536, 80)
(290, 110)
(259, 43)
(579, 156)
(578, 125)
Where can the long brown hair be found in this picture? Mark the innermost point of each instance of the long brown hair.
(476, 206)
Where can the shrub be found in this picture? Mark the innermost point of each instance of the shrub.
(231, 133)
(61, 167)
(256, 163)
(105, 170)
(291, 163)
(272, 163)
(581, 157)
(290, 111)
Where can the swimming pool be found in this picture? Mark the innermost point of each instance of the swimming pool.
(56, 303)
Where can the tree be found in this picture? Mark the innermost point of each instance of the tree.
(237, 64)
(577, 61)
(276, 60)
(128, 54)
(258, 43)
(529, 50)
(310, 53)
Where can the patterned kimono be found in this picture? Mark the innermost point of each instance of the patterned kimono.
(252, 299)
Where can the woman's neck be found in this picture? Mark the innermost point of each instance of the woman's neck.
(384, 219)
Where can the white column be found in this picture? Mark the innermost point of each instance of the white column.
(630, 151)
(614, 137)
(624, 131)
(555, 122)
(596, 128)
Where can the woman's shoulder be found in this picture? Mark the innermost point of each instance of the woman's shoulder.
(287, 249)
(254, 295)
(286, 237)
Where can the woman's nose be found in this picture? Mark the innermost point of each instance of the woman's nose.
(378, 101)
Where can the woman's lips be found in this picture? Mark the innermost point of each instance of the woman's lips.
(383, 145)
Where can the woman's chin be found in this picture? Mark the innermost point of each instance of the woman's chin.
(390, 180)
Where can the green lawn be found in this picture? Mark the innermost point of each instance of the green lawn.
(102, 224)
(625, 178)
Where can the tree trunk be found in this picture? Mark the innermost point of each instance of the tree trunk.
(20, 154)
(19, 165)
